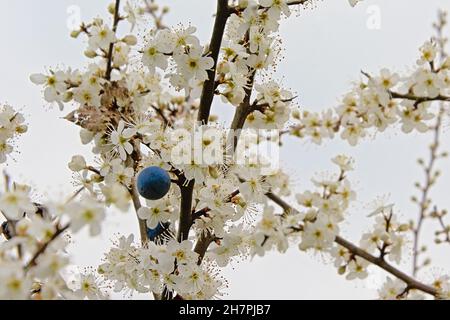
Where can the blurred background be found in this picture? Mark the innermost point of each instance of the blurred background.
(326, 47)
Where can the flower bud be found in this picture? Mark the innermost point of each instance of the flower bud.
(112, 8)
(67, 96)
(341, 270)
(21, 129)
(90, 54)
(75, 33)
(130, 40)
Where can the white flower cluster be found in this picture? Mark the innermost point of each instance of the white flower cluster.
(383, 101)
(11, 125)
(315, 226)
(388, 239)
(33, 261)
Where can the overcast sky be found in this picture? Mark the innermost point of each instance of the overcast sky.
(326, 47)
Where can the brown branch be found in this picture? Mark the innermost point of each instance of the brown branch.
(296, 2)
(44, 247)
(187, 190)
(222, 14)
(419, 100)
(111, 45)
(152, 11)
(380, 262)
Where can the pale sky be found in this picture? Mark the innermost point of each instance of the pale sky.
(325, 50)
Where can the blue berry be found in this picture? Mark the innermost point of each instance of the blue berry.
(153, 183)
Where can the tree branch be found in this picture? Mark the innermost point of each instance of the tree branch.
(152, 11)
(289, 3)
(222, 14)
(111, 45)
(409, 96)
(241, 113)
(202, 245)
(187, 190)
